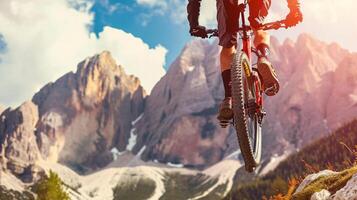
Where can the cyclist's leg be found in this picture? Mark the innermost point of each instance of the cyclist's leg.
(258, 10)
(261, 37)
(227, 19)
(226, 57)
(228, 41)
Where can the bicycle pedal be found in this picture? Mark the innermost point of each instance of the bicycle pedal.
(224, 123)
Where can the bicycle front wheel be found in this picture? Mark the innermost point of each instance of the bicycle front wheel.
(246, 120)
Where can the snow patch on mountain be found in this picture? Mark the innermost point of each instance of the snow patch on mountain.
(132, 140)
(233, 156)
(274, 162)
(91, 187)
(225, 172)
(137, 119)
(178, 165)
(116, 153)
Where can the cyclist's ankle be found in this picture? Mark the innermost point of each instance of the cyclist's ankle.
(263, 50)
(227, 82)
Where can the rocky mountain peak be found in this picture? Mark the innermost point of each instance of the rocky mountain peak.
(18, 147)
(181, 111)
(85, 114)
(99, 75)
(77, 119)
(184, 102)
(93, 110)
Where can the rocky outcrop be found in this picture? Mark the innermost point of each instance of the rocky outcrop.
(15, 195)
(347, 192)
(328, 185)
(179, 122)
(76, 120)
(18, 149)
(85, 114)
(312, 177)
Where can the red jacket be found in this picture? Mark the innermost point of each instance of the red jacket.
(193, 8)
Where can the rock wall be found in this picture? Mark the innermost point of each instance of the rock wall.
(318, 94)
(76, 120)
(18, 148)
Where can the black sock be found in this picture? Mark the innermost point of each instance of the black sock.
(263, 50)
(226, 76)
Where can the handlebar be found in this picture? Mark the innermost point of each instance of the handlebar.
(268, 26)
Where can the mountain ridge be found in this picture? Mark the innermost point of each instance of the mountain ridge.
(76, 120)
(184, 102)
(99, 117)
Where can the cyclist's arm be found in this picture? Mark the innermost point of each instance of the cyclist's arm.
(193, 12)
(293, 4)
(295, 15)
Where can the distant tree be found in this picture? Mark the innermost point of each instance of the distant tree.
(50, 188)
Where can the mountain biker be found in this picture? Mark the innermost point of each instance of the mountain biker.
(227, 17)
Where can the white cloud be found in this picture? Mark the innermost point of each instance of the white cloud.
(208, 13)
(46, 39)
(136, 57)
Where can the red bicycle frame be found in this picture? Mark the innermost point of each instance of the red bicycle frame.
(245, 30)
(247, 46)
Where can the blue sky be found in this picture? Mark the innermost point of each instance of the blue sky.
(135, 19)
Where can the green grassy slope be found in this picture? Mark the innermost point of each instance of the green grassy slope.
(329, 152)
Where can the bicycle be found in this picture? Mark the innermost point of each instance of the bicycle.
(247, 93)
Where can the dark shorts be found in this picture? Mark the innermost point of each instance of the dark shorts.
(227, 18)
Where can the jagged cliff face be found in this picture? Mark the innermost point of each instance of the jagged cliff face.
(179, 122)
(83, 115)
(78, 119)
(318, 93)
(18, 148)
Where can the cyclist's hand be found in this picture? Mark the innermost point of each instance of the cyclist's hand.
(199, 31)
(294, 17)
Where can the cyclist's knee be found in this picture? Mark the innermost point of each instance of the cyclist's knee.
(226, 57)
(228, 51)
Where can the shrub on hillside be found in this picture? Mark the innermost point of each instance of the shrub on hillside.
(50, 187)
